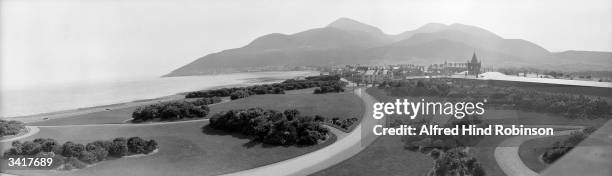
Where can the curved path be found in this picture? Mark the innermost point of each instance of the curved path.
(507, 152)
(333, 154)
(348, 144)
(32, 130)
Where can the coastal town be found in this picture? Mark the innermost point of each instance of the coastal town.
(306, 88)
(375, 74)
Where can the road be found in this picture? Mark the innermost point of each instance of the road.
(507, 156)
(333, 154)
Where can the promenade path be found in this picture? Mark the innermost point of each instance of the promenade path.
(326, 157)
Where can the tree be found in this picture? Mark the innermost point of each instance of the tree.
(150, 146)
(136, 145)
(290, 114)
(118, 147)
(70, 149)
(88, 157)
(30, 148)
(50, 145)
(239, 94)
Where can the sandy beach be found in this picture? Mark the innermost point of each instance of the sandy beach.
(136, 103)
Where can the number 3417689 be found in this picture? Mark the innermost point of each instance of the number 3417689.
(27, 162)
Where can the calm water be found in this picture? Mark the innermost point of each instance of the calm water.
(49, 99)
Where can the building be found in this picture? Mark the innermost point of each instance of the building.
(473, 66)
(470, 67)
(369, 76)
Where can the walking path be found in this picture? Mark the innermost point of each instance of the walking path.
(31, 130)
(333, 154)
(347, 145)
(507, 152)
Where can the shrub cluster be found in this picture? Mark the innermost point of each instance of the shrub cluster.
(455, 162)
(206, 101)
(572, 106)
(270, 126)
(523, 98)
(426, 143)
(87, 153)
(10, 127)
(276, 88)
(561, 148)
(174, 110)
(332, 87)
(343, 123)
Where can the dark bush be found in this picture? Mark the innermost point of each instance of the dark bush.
(11, 127)
(88, 157)
(239, 94)
(73, 155)
(50, 145)
(136, 145)
(70, 149)
(118, 148)
(561, 148)
(170, 111)
(206, 101)
(276, 88)
(150, 146)
(271, 127)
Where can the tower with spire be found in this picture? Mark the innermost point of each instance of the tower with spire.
(473, 66)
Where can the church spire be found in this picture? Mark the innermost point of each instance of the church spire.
(474, 59)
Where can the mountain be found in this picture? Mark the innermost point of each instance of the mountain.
(352, 25)
(346, 41)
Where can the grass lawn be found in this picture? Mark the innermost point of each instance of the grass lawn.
(484, 150)
(517, 117)
(531, 151)
(343, 105)
(113, 116)
(184, 147)
(386, 156)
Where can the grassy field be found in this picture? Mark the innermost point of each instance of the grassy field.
(484, 150)
(185, 149)
(531, 151)
(188, 149)
(329, 105)
(386, 156)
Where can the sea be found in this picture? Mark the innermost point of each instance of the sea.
(39, 100)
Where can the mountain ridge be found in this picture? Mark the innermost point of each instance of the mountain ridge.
(347, 41)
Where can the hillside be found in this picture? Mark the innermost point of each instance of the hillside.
(346, 41)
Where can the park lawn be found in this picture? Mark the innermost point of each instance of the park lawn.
(113, 116)
(342, 105)
(184, 149)
(484, 150)
(517, 117)
(385, 156)
(531, 151)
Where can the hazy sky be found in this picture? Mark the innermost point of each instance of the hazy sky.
(57, 41)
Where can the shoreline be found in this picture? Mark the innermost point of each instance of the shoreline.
(87, 110)
(140, 102)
